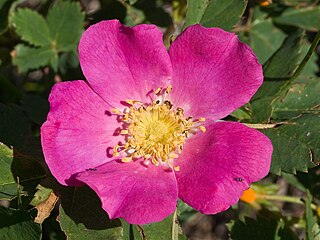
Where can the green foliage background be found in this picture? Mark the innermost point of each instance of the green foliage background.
(38, 47)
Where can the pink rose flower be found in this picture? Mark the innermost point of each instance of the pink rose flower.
(143, 130)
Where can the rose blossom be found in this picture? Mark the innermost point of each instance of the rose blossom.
(143, 130)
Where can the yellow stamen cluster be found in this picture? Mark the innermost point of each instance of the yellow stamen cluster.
(156, 131)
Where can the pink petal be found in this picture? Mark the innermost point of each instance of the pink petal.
(78, 133)
(213, 72)
(216, 166)
(134, 192)
(123, 62)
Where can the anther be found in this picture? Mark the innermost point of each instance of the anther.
(173, 155)
(202, 128)
(169, 88)
(155, 162)
(126, 159)
(124, 132)
(201, 119)
(157, 91)
(115, 111)
(177, 168)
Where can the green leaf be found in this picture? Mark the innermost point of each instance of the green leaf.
(65, 21)
(306, 18)
(265, 39)
(302, 97)
(18, 225)
(32, 58)
(215, 13)
(167, 229)
(296, 145)
(261, 110)
(41, 195)
(81, 216)
(278, 69)
(313, 229)
(36, 108)
(241, 114)
(31, 27)
(8, 185)
(285, 61)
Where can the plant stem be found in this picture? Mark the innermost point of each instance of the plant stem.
(306, 57)
(284, 198)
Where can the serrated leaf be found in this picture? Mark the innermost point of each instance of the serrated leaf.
(18, 225)
(302, 97)
(215, 13)
(296, 145)
(306, 18)
(285, 61)
(265, 39)
(313, 229)
(65, 21)
(27, 58)
(8, 185)
(82, 218)
(31, 27)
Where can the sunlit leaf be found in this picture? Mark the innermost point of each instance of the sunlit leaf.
(36, 33)
(27, 58)
(65, 21)
(215, 13)
(296, 145)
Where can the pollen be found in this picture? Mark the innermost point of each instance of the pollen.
(156, 131)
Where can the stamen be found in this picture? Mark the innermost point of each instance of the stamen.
(124, 132)
(177, 168)
(157, 91)
(115, 111)
(126, 159)
(169, 88)
(202, 128)
(154, 132)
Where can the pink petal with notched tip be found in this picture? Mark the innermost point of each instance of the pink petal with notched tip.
(123, 62)
(218, 165)
(213, 72)
(134, 192)
(78, 132)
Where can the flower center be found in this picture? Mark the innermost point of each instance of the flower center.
(156, 131)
